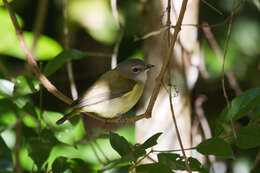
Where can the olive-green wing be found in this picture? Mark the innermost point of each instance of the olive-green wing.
(109, 86)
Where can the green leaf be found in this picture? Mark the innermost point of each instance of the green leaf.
(177, 162)
(248, 137)
(240, 107)
(120, 144)
(25, 85)
(40, 147)
(57, 62)
(7, 112)
(151, 141)
(172, 160)
(79, 166)
(21, 101)
(46, 49)
(195, 165)
(59, 165)
(67, 132)
(6, 163)
(6, 88)
(256, 114)
(215, 146)
(153, 168)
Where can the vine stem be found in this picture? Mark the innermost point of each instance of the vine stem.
(176, 127)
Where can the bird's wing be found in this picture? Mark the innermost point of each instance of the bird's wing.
(104, 89)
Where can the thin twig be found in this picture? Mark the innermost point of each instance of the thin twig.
(120, 35)
(215, 46)
(153, 33)
(202, 67)
(212, 7)
(203, 121)
(176, 127)
(41, 14)
(29, 57)
(73, 87)
(200, 113)
(164, 28)
(171, 151)
(223, 75)
(140, 160)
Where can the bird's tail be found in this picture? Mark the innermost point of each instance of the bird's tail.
(67, 116)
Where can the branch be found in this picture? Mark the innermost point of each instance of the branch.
(166, 60)
(32, 63)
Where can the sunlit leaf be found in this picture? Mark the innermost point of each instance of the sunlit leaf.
(68, 132)
(240, 107)
(7, 112)
(119, 143)
(47, 48)
(97, 18)
(57, 62)
(25, 85)
(215, 146)
(29, 121)
(153, 168)
(6, 88)
(248, 137)
(21, 101)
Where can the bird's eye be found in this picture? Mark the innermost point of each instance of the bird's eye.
(135, 70)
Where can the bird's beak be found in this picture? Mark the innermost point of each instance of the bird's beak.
(148, 66)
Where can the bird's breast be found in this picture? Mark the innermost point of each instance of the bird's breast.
(117, 106)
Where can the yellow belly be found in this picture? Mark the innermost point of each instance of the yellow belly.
(117, 106)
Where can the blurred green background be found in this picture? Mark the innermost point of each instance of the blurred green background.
(92, 28)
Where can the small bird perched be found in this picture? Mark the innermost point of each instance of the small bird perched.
(114, 93)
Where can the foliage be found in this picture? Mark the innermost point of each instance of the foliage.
(46, 147)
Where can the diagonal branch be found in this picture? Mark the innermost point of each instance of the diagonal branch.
(33, 64)
(157, 87)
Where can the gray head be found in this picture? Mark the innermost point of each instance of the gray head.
(134, 69)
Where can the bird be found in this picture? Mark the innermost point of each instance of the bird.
(114, 93)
